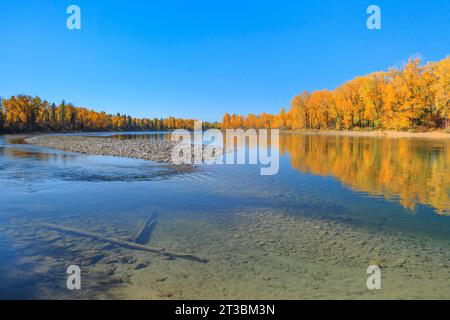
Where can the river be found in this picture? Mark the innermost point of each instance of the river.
(337, 205)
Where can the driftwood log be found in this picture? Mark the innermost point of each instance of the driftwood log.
(122, 243)
(145, 232)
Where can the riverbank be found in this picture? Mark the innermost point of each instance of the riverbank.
(387, 133)
(157, 151)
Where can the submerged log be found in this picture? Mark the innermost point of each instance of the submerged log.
(122, 243)
(145, 232)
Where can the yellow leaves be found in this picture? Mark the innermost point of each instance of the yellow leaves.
(371, 91)
(410, 98)
(414, 91)
(407, 98)
(299, 112)
(23, 117)
(441, 86)
(20, 113)
(319, 106)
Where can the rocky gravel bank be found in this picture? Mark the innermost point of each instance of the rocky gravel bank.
(158, 151)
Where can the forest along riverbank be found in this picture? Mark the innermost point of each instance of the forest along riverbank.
(158, 151)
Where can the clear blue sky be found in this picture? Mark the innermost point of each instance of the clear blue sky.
(201, 58)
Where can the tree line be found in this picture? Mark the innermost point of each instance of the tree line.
(24, 113)
(415, 96)
(412, 97)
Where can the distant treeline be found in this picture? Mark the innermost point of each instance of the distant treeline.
(25, 114)
(413, 97)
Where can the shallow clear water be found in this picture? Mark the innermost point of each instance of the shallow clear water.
(337, 205)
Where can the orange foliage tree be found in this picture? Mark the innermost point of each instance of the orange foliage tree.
(413, 97)
(25, 113)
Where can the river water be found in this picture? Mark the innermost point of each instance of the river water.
(337, 205)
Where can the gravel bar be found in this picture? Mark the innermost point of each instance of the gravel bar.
(158, 151)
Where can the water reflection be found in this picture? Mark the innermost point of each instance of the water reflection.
(412, 170)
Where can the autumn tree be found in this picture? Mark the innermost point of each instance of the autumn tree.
(372, 90)
(25, 113)
(441, 87)
(2, 115)
(411, 97)
(299, 112)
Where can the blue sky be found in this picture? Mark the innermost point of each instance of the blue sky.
(198, 59)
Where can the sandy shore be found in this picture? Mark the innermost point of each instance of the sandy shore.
(158, 151)
(387, 134)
